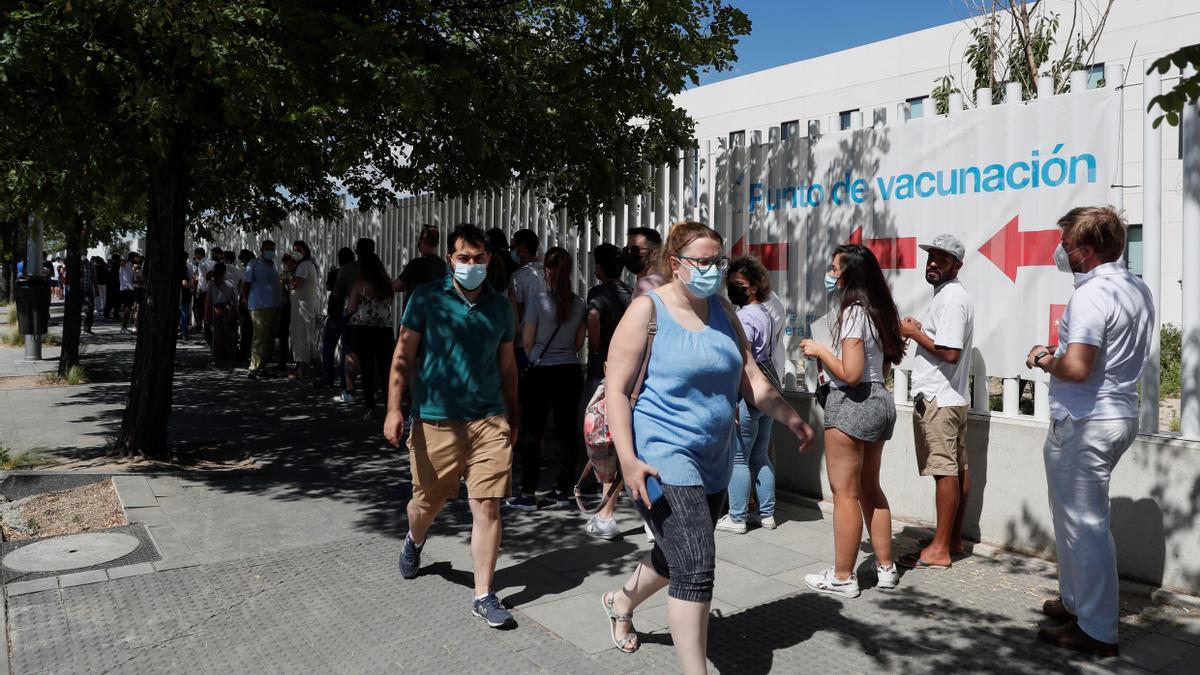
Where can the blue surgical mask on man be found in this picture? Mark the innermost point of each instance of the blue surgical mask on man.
(516, 257)
(269, 256)
(469, 276)
(703, 284)
(830, 283)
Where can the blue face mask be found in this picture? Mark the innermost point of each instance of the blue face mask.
(269, 256)
(469, 276)
(831, 283)
(515, 256)
(704, 284)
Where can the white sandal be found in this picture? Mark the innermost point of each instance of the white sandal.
(623, 641)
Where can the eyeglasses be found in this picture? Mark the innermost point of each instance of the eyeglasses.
(702, 265)
(632, 250)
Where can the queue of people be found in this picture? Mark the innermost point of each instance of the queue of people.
(489, 350)
(486, 372)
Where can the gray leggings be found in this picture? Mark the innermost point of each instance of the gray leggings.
(684, 549)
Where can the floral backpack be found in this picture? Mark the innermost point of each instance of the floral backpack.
(602, 456)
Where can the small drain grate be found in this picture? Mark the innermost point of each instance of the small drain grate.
(145, 551)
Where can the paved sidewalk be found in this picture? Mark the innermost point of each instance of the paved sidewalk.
(293, 568)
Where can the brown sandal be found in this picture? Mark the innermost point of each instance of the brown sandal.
(622, 642)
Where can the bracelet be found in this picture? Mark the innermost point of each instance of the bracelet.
(1038, 357)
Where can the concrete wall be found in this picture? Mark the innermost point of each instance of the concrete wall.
(1155, 492)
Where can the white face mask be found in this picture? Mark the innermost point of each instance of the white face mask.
(1062, 259)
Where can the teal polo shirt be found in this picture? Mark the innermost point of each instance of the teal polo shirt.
(458, 372)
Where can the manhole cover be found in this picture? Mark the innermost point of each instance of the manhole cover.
(72, 552)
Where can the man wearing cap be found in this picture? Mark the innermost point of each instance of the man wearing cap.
(939, 385)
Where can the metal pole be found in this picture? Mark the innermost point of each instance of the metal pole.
(1151, 240)
(1190, 403)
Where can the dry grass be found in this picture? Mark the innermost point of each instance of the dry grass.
(81, 509)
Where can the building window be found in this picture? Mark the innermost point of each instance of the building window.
(1096, 76)
(844, 119)
(789, 129)
(737, 139)
(1133, 249)
(916, 107)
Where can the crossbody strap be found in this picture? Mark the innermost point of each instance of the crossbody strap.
(547, 345)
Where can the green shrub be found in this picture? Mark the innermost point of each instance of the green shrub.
(1170, 360)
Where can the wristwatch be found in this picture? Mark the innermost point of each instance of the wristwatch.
(1038, 357)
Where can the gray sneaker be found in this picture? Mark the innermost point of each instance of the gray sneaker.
(490, 610)
(604, 529)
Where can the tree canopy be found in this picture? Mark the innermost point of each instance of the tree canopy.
(237, 112)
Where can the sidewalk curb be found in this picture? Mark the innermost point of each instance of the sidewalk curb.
(1155, 594)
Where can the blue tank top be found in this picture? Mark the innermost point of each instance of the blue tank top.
(684, 416)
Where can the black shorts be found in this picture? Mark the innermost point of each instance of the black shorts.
(128, 298)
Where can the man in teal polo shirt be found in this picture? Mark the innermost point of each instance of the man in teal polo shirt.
(456, 339)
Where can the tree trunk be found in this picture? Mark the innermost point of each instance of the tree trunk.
(73, 305)
(144, 425)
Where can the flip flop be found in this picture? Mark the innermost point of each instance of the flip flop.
(926, 541)
(915, 562)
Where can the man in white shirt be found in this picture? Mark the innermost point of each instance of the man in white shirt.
(939, 386)
(1103, 341)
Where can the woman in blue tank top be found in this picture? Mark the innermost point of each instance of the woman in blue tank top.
(673, 443)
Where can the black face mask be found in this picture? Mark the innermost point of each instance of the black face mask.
(632, 261)
(738, 295)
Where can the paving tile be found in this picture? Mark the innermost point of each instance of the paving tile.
(150, 515)
(134, 491)
(32, 586)
(130, 570)
(741, 587)
(1187, 630)
(761, 557)
(1154, 651)
(82, 578)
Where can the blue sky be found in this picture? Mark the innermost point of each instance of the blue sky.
(790, 30)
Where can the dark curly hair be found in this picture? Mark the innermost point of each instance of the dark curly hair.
(754, 271)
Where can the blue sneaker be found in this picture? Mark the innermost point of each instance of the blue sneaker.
(490, 610)
(410, 558)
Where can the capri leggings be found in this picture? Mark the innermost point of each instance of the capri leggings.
(685, 552)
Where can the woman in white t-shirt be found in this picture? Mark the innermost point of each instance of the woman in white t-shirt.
(305, 304)
(860, 414)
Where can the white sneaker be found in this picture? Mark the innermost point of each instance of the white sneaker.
(728, 524)
(344, 397)
(602, 528)
(887, 577)
(825, 582)
(768, 523)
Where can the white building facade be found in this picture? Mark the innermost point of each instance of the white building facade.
(826, 93)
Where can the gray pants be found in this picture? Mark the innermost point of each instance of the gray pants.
(684, 549)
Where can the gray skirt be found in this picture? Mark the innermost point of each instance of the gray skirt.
(866, 411)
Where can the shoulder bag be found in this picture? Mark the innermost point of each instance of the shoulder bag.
(602, 456)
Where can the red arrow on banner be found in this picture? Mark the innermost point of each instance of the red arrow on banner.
(773, 255)
(894, 253)
(1010, 248)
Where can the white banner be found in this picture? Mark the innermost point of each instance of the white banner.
(998, 178)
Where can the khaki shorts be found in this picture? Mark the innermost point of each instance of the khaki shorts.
(443, 452)
(941, 438)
